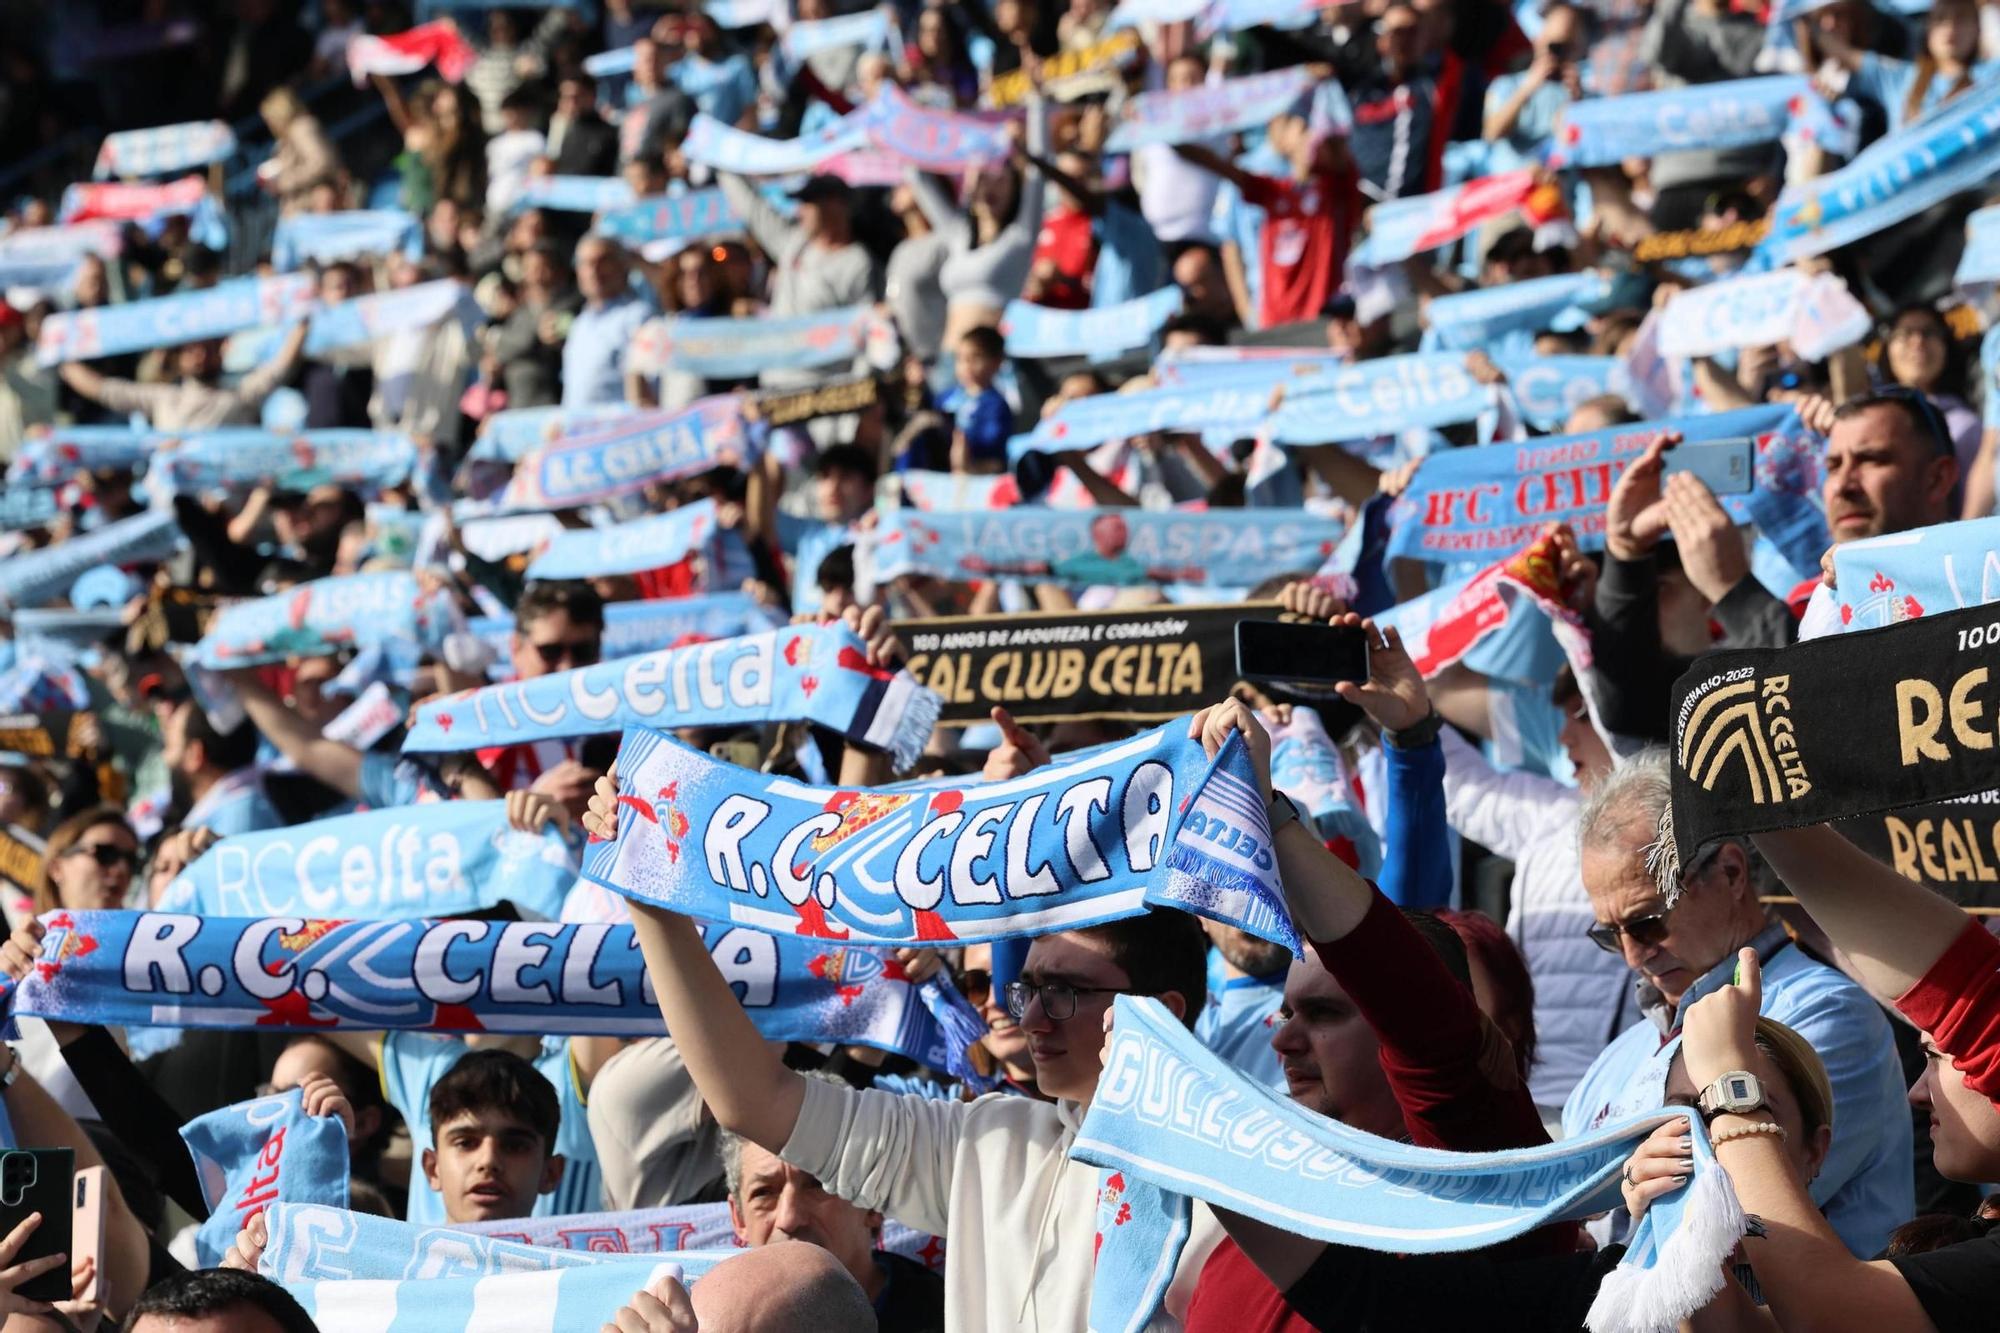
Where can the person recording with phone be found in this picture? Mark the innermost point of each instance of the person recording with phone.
(1521, 109)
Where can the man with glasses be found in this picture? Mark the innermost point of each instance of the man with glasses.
(1865, 1187)
(557, 627)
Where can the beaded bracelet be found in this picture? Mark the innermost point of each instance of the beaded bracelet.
(1747, 1131)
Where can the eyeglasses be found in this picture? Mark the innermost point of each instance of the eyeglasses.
(107, 855)
(1648, 930)
(1058, 997)
(581, 653)
(975, 984)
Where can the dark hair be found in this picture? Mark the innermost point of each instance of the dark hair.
(849, 458)
(1445, 941)
(214, 1291)
(1513, 988)
(496, 1080)
(985, 338)
(1208, 331)
(226, 750)
(1161, 950)
(1952, 379)
(1933, 1231)
(836, 569)
(579, 600)
(1913, 405)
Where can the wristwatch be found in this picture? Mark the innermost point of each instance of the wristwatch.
(1280, 812)
(13, 1070)
(1736, 1092)
(1417, 735)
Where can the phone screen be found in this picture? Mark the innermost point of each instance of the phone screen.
(1280, 650)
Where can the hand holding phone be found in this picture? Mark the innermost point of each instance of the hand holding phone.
(35, 1218)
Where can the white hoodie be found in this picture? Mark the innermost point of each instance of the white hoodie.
(993, 1177)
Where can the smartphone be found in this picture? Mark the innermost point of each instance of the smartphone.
(1289, 651)
(87, 1227)
(37, 1180)
(1726, 466)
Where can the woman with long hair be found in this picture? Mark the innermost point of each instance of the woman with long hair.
(1906, 90)
(1919, 351)
(89, 862)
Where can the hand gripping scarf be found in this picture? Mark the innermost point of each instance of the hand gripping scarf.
(813, 673)
(255, 1153)
(1100, 834)
(1171, 1117)
(289, 974)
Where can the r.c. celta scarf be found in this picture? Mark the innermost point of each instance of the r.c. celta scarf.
(1103, 833)
(255, 1153)
(290, 974)
(811, 673)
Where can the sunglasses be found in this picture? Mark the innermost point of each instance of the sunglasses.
(107, 855)
(975, 984)
(1650, 929)
(581, 653)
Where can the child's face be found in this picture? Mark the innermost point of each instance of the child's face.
(976, 366)
(489, 1166)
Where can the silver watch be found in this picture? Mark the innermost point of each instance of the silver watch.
(1736, 1092)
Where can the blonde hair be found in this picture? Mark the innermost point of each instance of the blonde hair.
(1802, 1068)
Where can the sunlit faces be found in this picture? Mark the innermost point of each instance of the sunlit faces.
(1329, 1053)
(489, 1165)
(775, 1201)
(1965, 1125)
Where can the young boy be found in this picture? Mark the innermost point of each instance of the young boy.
(494, 1120)
(981, 419)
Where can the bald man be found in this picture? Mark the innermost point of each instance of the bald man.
(777, 1288)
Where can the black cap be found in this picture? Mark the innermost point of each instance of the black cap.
(820, 187)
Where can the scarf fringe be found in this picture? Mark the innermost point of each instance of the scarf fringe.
(1688, 1271)
(1663, 859)
(921, 709)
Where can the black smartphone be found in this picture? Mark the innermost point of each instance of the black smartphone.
(37, 1180)
(1317, 654)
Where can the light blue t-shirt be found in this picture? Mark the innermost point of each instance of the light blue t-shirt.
(413, 1062)
(593, 360)
(1888, 81)
(1237, 1021)
(1521, 145)
(1864, 1187)
(723, 88)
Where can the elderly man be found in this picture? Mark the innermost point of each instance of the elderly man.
(1688, 950)
(772, 1201)
(593, 360)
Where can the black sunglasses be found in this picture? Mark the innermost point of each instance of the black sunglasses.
(1645, 931)
(975, 984)
(580, 654)
(107, 855)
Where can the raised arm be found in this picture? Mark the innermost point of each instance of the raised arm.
(1209, 160)
(770, 229)
(335, 763)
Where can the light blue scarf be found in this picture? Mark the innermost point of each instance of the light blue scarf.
(1101, 834)
(1547, 389)
(1345, 404)
(258, 1153)
(366, 318)
(1172, 1115)
(1306, 766)
(52, 455)
(932, 140)
(722, 348)
(690, 1226)
(38, 576)
(645, 543)
(511, 435)
(1208, 112)
(354, 1271)
(326, 616)
(1736, 113)
(288, 973)
(164, 149)
(812, 673)
(445, 857)
(868, 29)
(710, 143)
(45, 258)
(164, 321)
(1485, 501)
(663, 622)
(23, 507)
(232, 459)
(671, 217)
(1217, 548)
(1945, 567)
(1475, 320)
(629, 456)
(1040, 331)
(1954, 149)
(1084, 422)
(324, 238)
(572, 194)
